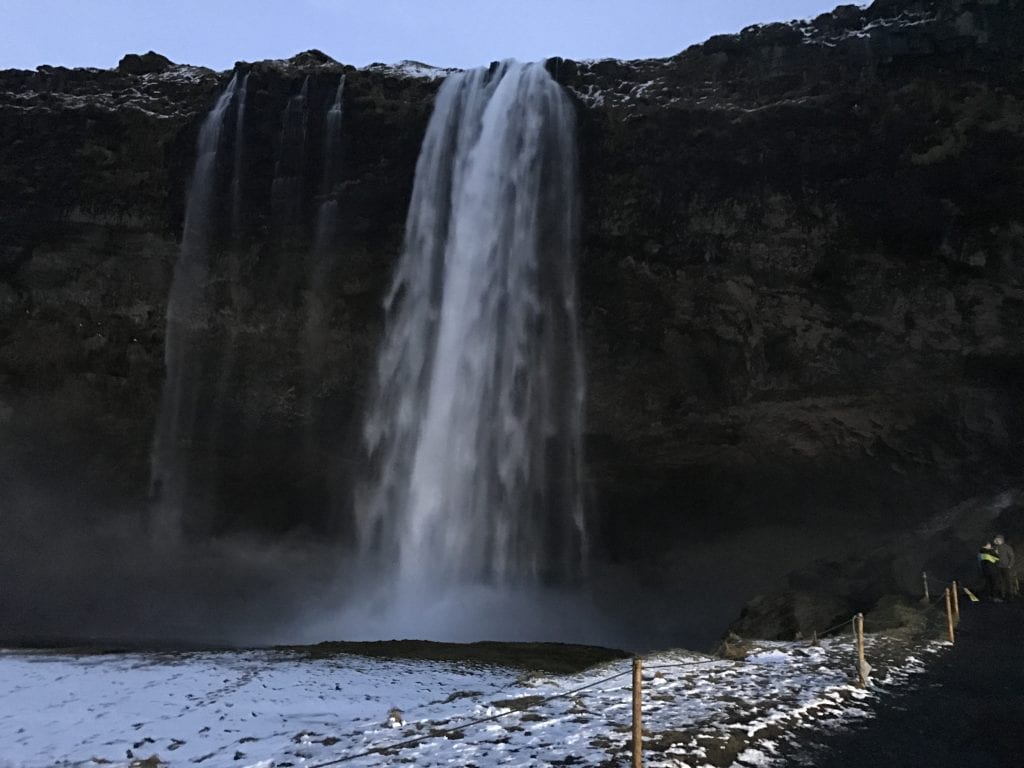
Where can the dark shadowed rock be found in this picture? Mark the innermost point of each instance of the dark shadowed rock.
(897, 613)
(143, 64)
(791, 616)
(312, 58)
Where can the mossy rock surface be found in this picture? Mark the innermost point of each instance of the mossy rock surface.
(552, 658)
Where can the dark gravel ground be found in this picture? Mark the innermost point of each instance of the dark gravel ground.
(965, 710)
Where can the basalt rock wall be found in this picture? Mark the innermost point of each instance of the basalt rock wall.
(97, 166)
(802, 277)
(803, 269)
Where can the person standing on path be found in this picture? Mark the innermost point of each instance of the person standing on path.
(988, 561)
(1004, 568)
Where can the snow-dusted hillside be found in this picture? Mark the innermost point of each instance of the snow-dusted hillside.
(275, 709)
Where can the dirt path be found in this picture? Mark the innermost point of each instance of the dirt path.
(966, 710)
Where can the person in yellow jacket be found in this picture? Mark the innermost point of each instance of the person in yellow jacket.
(988, 561)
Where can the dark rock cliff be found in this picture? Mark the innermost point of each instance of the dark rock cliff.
(802, 267)
(802, 279)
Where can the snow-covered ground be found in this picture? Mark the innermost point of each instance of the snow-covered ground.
(275, 709)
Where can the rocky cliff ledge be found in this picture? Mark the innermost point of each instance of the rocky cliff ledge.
(802, 277)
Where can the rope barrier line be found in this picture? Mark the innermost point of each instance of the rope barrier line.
(961, 579)
(438, 733)
(936, 582)
(846, 623)
(932, 604)
(840, 625)
(941, 598)
(442, 732)
(690, 664)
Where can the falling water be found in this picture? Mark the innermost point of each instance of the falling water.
(322, 258)
(327, 213)
(236, 175)
(185, 319)
(286, 188)
(474, 429)
(227, 358)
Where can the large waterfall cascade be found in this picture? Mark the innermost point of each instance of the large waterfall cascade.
(474, 430)
(473, 427)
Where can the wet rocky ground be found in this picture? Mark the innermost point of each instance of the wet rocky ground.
(966, 709)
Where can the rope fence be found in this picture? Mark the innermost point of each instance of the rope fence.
(439, 732)
(949, 598)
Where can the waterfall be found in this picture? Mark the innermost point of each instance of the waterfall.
(473, 431)
(226, 359)
(186, 305)
(236, 175)
(326, 217)
(322, 260)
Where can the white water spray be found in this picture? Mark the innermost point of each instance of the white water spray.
(474, 429)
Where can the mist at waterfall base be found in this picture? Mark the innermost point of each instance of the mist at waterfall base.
(75, 572)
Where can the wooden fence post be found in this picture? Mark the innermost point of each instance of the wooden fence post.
(949, 617)
(956, 602)
(862, 664)
(927, 595)
(638, 728)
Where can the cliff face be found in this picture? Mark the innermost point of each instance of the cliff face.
(802, 277)
(96, 167)
(803, 269)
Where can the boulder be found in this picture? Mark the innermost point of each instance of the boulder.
(895, 613)
(143, 64)
(791, 616)
(312, 58)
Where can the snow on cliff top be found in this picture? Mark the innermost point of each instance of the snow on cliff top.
(411, 69)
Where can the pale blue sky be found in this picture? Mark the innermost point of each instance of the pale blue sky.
(455, 33)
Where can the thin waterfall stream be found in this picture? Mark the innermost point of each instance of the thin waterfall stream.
(186, 307)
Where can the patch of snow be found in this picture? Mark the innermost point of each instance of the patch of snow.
(264, 708)
(180, 73)
(591, 62)
(753, 757)
(813, 36)
(592, 95)
(414, 69)
(770, 657)
(642, 88)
